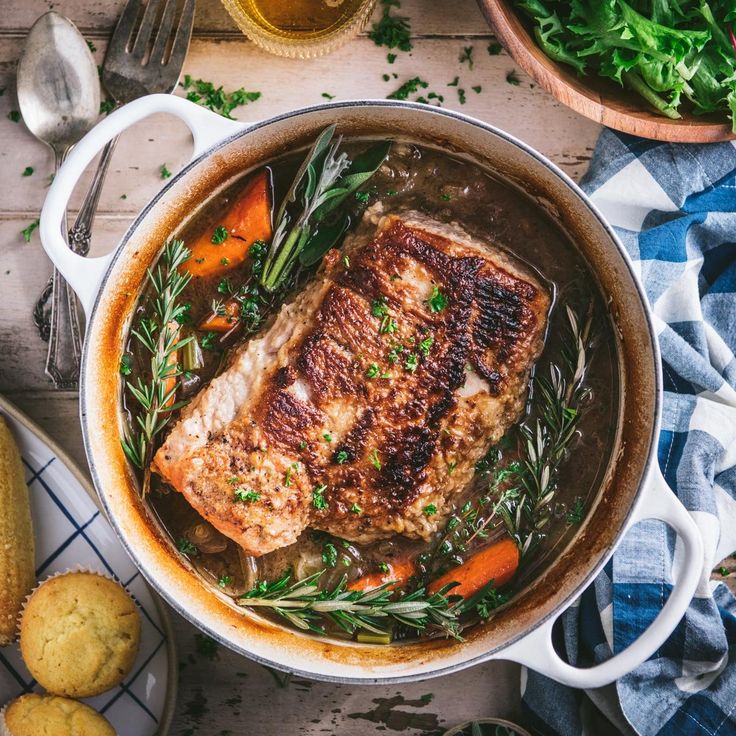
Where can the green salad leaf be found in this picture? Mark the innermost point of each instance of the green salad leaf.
(671, 52)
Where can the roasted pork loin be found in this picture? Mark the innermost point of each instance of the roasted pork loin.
(364, 408)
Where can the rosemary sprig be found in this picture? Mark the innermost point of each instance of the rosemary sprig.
(520, 493)
(544, 443)
(159, 335)
(308, 607)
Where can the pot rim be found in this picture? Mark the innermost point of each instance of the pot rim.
(651, 440)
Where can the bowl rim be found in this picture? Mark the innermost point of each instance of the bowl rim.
(648, 442)
(562, 83)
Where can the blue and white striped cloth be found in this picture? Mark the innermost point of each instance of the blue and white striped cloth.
(674, 208)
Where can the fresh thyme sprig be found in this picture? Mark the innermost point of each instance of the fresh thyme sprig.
(160, 336)
(308, 607)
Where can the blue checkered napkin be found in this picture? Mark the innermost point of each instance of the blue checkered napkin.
(674, 208)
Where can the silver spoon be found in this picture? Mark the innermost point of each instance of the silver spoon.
(59, 98)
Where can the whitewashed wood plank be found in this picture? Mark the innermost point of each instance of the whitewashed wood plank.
(24, 270)
(564, 136)
(96, 18)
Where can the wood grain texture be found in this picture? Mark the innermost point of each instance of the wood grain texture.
(96, 18)
(231, 694)
(598, 99)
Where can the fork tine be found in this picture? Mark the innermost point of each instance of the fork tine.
(124, 28)
(144, 32)
(163, 32)
(183, 35)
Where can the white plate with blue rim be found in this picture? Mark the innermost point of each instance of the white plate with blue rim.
(70, 531)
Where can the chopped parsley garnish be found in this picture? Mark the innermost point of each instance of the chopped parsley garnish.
(575, 514)
(107, 106)
(288, 474)
(390, 58)
(392, 31)
(302, 445)
(327, 437)
(224, 581)
(373, 370)
(393, 355)
(451, 467)
(355, 509)
(408, 88)
(328, 96)
(318, 497)
(477, 89)
(461, 95)
(184, 317)
(379, 307)
(494, 49)
(28, 171)
(164, 171)
(14, 115)
(225, 261)
(233, 480)
(388, 325)
(383, 567)
(342, 457)
(126, 364)
(375, 460)
(429, 510)
(123, 196)
(466, 55)
(186, 547)
(208, 341)
(206, 647)
(215, 98)
(386, 77)
(454, 82)
(511, 78)
(437, 301)
(489, 601)
(249, 496)
(329, 554)
(724, 571)
(91, 46)
(346, 262)
(26, 232)
(445, 197)
(362, 197)
(220, 235)
(412, 363)
(425, 345)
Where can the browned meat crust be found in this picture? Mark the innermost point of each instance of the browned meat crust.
(381, 398)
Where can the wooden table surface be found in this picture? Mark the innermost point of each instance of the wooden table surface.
(221, 693)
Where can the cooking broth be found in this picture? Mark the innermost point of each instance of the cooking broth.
(449, 189)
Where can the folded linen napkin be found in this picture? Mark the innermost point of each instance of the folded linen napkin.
(674, 208)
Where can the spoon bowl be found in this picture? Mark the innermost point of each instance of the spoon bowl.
(58, 84)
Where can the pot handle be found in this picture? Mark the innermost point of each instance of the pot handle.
(536, 651)
(85, 274)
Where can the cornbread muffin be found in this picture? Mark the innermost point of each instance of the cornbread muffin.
(79, 634)
(50, 715)
(17, 570)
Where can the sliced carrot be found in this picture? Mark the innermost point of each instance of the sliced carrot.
(398, 572)
(171, 361)
(222, 322)
(497, 563)
(248, 220)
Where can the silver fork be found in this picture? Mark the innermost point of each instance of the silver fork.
(142, 58)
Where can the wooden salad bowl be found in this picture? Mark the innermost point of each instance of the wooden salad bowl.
(595, 97)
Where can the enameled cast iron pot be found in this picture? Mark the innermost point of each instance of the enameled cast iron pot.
(633, 488)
